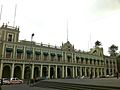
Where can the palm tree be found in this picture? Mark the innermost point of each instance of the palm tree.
(112, 50)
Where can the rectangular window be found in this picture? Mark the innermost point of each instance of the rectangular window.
(45, 58)
(90, 61)
(52, 58)
(9, 37)
(8, 54)
(37, 57)
(19, 55)
(28, 56)
(59, 59)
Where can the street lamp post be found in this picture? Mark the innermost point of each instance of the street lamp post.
(30, 59)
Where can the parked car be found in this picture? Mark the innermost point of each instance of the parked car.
(15, 81)
(107, 76)
(6, 81)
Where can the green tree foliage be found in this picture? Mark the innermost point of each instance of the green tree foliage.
(118, 63)
(97, 43)
(112, 50)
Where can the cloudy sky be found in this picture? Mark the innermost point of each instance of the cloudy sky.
(88, 21)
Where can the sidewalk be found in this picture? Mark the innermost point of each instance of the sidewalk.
(23, 87)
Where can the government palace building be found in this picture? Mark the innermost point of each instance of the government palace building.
(28, 59)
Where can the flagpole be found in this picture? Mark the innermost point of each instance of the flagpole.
(1, 12)
(67, 29)
(14, 15)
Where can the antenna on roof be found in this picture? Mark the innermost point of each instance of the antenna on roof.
(67, 30)
(14, 15)
(1, 12)
(90, 41)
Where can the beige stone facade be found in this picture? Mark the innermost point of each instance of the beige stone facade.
(23, 58)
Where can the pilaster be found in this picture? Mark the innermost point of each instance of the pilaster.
(81, 71)
(1, 69)
(41, 69)
(48, 71)
(73, 72)
(85, 71)
(23, 68)
(56, 71)
(12, 71)
(66, 71)
(76, 71)
(63, 71)
(32, 71)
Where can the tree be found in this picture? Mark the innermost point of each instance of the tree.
(118, 63)
(97, 43)
(112, 50)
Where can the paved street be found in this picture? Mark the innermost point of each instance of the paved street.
(97, 81)
(102, 82)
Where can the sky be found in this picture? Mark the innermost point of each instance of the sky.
(86, 20)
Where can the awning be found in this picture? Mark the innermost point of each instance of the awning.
(29, 52)
(45, 53)
(59, 55)
(77, 57)
(37, 52)
(52, 54)
(69, 56)
(9, 49)
(19, 51)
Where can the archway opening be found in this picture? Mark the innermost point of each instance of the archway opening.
(36, 72)
(83, 72)
(52, 73)
(95, 73)
(78, 72)
(6, 72)
(44, 72)
(69, 72)
(107, 71)
(87, 70)
(59, 75)
(27, 73)
(17, 72)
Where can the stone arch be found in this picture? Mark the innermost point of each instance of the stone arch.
(6, 71)
(59, 72)
(27, 72)
(18, 72)
(36, 72)
(45, 72)
(52, 72)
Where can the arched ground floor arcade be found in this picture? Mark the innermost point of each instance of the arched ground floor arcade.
(24, 71)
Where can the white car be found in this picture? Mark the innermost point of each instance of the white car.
(16, 81)
(6, 81)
